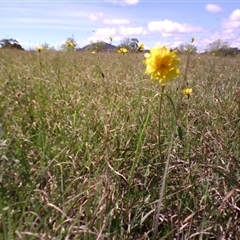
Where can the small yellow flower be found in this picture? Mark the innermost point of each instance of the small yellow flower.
(93, 52)
(122, 50)
(192, 39)
(162, 64)
(187, 91)
(70, 45)
(39, 48)
(140, 47)
(199, 57)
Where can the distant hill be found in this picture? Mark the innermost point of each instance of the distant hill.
(98, 46)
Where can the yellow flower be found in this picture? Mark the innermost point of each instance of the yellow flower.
(70, 45)
(122, 50)
(39, 48)
(140, 47)
(93, 52)
(199, 57)
(192, 39)
(187, 91)
(162, 64)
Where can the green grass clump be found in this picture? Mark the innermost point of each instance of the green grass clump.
(79, 148)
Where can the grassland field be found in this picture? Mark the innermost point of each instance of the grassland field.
(79, 148)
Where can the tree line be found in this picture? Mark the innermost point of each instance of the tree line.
(218, 47)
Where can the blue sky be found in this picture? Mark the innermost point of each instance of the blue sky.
(168, 22)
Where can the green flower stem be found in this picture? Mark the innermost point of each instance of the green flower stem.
(160, 120)
(139, 145)
(184, 83)
(186, 69)
(162, 189)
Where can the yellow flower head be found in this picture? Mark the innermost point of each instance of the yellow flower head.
(192, 39)
(162, 64)
(93, 52)
(122, 50)
(39, 48)
(187, 91)
(70, 45)
(140, 47)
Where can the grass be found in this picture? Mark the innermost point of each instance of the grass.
(80, 156)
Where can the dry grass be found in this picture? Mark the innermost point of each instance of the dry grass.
(79, 151)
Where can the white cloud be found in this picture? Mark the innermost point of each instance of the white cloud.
(115, 21)
(230, 31)
(213, 8)
(126, 31)
(95, 16)
(101, 38)
(168, 28)
(98, 16)
(174, 44)
(226, 35)
(237, 42)
(105, 32)
(124, 2)
(235, 16)
(131, 2)
(102, 34)
(116, 38)
(94, 39)
(233, 22)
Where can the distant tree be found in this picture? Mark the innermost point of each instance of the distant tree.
(11, 44)
(222, 48)
(46, 46)
(231, 51)
(217, 46)
(184, 48)
(130, 43)
(70, 44)
(125, 43)
(134, 44)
